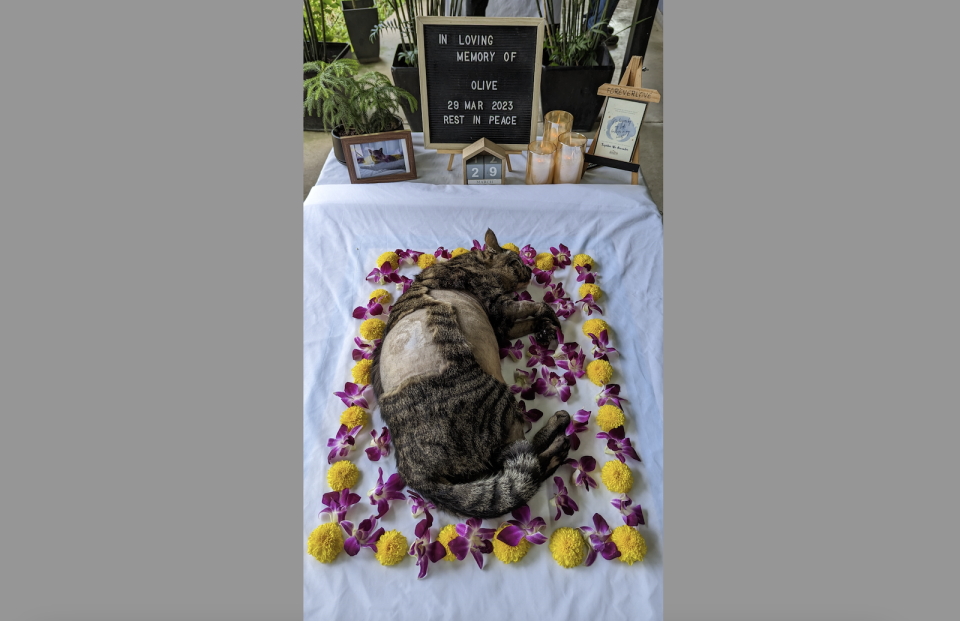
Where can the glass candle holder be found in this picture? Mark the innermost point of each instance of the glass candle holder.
(568, 160)
(540, 156)
(555, 124)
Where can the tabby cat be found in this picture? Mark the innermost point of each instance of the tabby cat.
(456, 427)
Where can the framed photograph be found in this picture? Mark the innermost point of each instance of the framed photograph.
(380, 158)
(619, 128)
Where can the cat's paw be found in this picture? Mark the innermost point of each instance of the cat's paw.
(545, 326)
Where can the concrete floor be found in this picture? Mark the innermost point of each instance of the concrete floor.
(316, 145)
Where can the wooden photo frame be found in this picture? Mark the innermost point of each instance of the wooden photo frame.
(372, 158)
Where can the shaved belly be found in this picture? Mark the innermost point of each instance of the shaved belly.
(409, 351)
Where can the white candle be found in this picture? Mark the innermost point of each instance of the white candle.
(540, 168)
(570, 165)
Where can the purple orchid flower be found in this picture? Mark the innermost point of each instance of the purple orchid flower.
(542, 277)
(362, 536)
(473, 539)
(528, 254)
(587, 305)
(420, 506)
(515, 351)
(354, 394)
(539, 354)
(566, 349)
(551, 384)
(384, 274)
(524, 383)
(601, 345)
(372, 309)
(575, 364)
(580, 470)
(365, 350)
(442, 253)
(529, 416)
(561, 501)
(632, 516)
(578, 424)
(425, 551)
(383, 493)
(402, 283)
(617, 445)
(600, 541)
(566, 308)
(339, 502)
(477, 247)
(522, 296)
(584, 274)
(561, 258)
(610, 394)
(342, 443)
(557, 303)
(408, 255)
(522, 526)
(379, 447)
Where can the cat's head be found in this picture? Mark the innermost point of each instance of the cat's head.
(506, 264)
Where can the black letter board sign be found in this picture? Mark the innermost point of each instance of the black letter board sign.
(479, 78)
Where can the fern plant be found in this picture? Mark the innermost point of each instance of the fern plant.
(355, 105)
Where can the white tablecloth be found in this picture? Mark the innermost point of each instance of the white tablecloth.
(432, 168)
(346, 227)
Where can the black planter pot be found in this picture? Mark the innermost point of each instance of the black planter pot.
(334, 51)
(361, 17)
(338, 145)
(408, 78)
(574, 89)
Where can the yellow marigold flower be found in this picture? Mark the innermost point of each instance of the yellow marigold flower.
(342, 474)
(372, 329)
(584, 259)
(595, 327)
(325, 542)
(381, 295)
(391, 547)
(508, 553)
(608, 417)
(426, 260)
(361, 372)
(355, 416)
(617, 477)
(512, 247)
(389, 256)
(592, 289)
(544, 261)
(458, 252)
(599, 371)
(630, 543)
(447, 534)
(567, 547)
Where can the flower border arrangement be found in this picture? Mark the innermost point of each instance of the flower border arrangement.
(542, 373)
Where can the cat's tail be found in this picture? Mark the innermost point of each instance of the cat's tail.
(510, 488)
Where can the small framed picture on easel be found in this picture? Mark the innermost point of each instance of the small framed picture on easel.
(620, 128)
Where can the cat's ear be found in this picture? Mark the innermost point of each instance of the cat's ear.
(491, 241)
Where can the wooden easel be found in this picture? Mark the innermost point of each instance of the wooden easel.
(455, 152)
(628, 88)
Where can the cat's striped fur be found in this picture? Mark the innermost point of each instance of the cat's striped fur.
(458, 434)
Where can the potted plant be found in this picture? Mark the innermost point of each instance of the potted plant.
(575, 60)
(362, 17)
(352, 105)
(322, 42)
(404, 69)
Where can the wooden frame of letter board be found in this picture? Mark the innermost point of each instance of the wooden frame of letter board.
(629, 88)
(447, 147)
